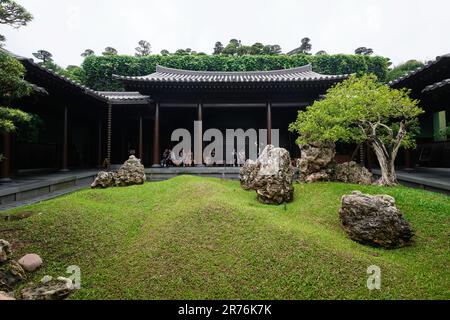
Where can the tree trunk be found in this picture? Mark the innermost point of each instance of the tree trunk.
(388, 176)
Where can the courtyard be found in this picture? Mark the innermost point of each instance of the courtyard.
(206, 238)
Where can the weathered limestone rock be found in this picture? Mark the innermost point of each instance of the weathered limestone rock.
(317, 161)
(5, 251)
(58, 289)
(132, 172)
(30, 262)
(104, 179)
(11, 273)
(274, 176)
(4, 296)
(351, 172)
(248, 173)
(374, 220)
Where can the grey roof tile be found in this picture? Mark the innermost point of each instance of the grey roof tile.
(298, 74)
(437, 85)
(418, 70)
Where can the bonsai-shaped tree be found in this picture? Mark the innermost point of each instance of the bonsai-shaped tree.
(362, 109)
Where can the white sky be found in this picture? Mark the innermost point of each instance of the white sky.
(399, 29)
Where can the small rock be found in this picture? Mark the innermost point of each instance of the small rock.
(351, 172)
(374, 220)
(11, 273)
(6, 296)
(46, 279)
(317, 161)
(104, 179)
(248, 173)
(58, 289)
(30, 262)
(5, 251)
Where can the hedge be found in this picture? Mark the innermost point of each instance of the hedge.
(99, 69)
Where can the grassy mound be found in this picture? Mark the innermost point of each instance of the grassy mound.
(205, 238)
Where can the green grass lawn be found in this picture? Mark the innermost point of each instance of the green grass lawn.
(204, 238)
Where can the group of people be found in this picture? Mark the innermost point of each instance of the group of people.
(186, 159)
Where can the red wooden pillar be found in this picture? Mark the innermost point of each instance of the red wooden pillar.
(408, 162)
(141, 144)
(109, 138)
(6, 163)
(99, 143)
(269, 122)
(65, 142)
(156, 156)
(198, 152)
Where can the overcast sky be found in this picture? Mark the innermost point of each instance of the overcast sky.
(399, 29)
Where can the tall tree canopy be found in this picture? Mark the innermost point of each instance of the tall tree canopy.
(403, 69)
(364, 51)
(218, 48)
(110, 51)
(13, 14)
(144, 49)
(87, 53)
(12, 86)
(43, 55)
(363, 109)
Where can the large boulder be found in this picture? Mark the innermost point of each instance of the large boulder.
(271, 176)
(5, 251)
(248, 173)
(317, 161)
(351, 172)
(132, 172)
(57, 289)
(11, 273)
(374, 220)
(104, 179)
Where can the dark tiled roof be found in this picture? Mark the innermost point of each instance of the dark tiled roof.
(108, 97)
(116, 96)
(437, 85)
(164, 74)
(419, 70)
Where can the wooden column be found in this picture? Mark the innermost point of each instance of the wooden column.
(198, 152)
(156, 156)
(6, 163)
(269, 123)
(109, 138)
(408, 162)
(141, 138)
(99, 143)
(65, 142)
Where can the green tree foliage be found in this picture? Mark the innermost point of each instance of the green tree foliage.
(364, 51)
(12, 87)
(87, 53)
(43, 55)
(110, 51)
(363, 109)
(165, 52)
(218, 48)
(144, 49)
(403, 69)
(13, 14)
(99, 69)
(321, 52)
(305, 47)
